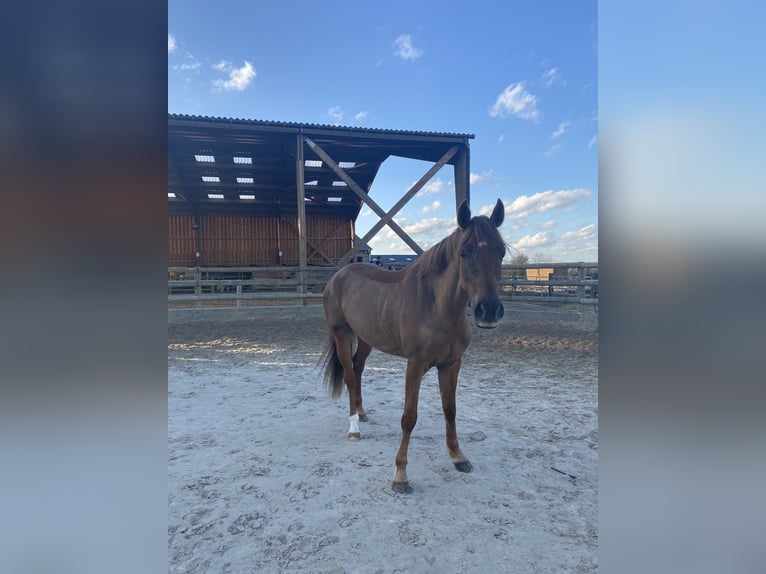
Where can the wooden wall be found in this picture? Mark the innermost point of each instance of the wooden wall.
(238, 241)
(181, 241)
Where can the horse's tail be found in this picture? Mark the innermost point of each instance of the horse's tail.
(333, 370)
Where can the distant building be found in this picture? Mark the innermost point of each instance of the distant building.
(363, 255)
(539, 274)
(392, 261)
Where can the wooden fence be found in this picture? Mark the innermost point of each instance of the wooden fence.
(551, 282)
(243, 286)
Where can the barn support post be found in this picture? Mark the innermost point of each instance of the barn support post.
(197, 286)
(580, 286)
(197, 239)
(462, 176)
(300, 190)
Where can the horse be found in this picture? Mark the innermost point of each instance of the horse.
(419, 313)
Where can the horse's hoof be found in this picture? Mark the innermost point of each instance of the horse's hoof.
(362, 417)
(464, 466)
(354, 436)
(401, 487)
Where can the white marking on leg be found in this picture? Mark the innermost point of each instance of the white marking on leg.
(353, 424)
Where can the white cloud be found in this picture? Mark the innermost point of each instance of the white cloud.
(550, 76)
(551, 150)
(539, 239)
(360, 116)
(336, 113)
(515, 100)
(592, 142)
(434, 186)
(377, 243)
(405, 50)
(582, 243)
(583, 234)
(365, 212)
(171, 43)
(545, 201)
(239, 78)
(501, 138)
(191, 64)
(431, 225)
(479, 178)
(560, 130)
(433, 207)
(526, 205)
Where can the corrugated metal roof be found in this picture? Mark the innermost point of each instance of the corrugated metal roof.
(237, 165)
(297, 125)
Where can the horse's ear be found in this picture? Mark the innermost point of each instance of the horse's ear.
(463, 214)
(498, 214)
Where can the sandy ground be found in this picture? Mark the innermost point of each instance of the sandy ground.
(261, 477)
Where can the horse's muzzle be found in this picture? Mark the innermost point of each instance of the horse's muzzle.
(486, 315)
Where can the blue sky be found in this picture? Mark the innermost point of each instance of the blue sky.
(521, 76)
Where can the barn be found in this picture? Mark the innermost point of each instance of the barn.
(249, 193)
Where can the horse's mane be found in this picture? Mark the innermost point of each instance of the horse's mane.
(436, 258)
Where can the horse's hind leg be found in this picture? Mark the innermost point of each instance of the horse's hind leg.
(344, 338)
(363, 350)
(447, 389)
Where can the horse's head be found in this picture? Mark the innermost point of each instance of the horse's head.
(481, 250)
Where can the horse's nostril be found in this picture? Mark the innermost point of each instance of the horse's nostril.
(489, 313)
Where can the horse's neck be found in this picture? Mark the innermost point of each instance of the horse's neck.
(451, 298)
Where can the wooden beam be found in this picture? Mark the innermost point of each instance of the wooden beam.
(401, 203)
(310, 243)
(324, 240)
(361, 193)
(462, 177)
(301, 196)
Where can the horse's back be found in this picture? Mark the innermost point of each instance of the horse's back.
(368, 272)
(360, 276)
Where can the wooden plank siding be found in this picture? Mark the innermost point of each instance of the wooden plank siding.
(250, 240)
(181, 241)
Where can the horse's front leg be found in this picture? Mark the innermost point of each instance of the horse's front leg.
(415, 371)
(447, 388)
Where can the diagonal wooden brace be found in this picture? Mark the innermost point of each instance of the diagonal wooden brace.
(401, 203)
(361, 193)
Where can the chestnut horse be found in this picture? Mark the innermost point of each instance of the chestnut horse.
(419, 313)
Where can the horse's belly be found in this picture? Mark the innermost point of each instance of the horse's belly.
(379, 339)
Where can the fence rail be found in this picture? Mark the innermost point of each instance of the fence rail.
(572, 282)
(535, 282)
